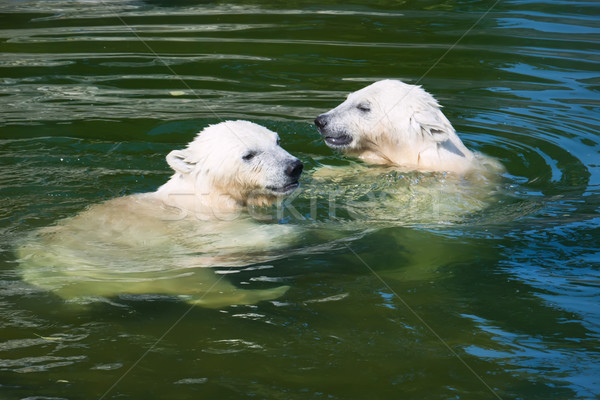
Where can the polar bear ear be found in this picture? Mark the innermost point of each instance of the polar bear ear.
(433, 125)
(438, 135)
(179, 161)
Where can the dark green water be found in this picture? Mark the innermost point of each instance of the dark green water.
(94, 94)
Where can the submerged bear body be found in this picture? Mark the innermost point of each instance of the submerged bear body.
(161, 242)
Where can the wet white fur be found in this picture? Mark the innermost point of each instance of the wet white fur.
(405, 127)
(158, 242)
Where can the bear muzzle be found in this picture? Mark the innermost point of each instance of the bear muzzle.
(292, 171)
(333, 139)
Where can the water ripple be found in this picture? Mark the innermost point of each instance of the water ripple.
(93, 94)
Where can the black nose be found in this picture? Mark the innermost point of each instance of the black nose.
(321, 121)
(294, 169)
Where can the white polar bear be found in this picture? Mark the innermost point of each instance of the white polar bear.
(153, 243)
(230, 165)
(394, 123)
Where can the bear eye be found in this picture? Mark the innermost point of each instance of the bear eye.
(364, 107)
(249, 156)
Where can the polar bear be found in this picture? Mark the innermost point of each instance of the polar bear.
(417, 169)
(228, 166)
(154, 243)
(393, 123)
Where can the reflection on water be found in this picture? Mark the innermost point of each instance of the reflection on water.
(93, 94)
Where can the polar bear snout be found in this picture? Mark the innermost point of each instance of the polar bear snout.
(292, 172)
(287, 178)
(294, 169)
(334, 138)
(321, 121)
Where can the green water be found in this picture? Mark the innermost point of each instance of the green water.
(504, 304)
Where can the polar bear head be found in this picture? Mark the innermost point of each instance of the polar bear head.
(390, 122)
(230, 164)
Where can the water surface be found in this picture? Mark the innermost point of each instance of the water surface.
(502, 303)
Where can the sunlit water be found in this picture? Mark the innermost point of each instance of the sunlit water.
(458, 296)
